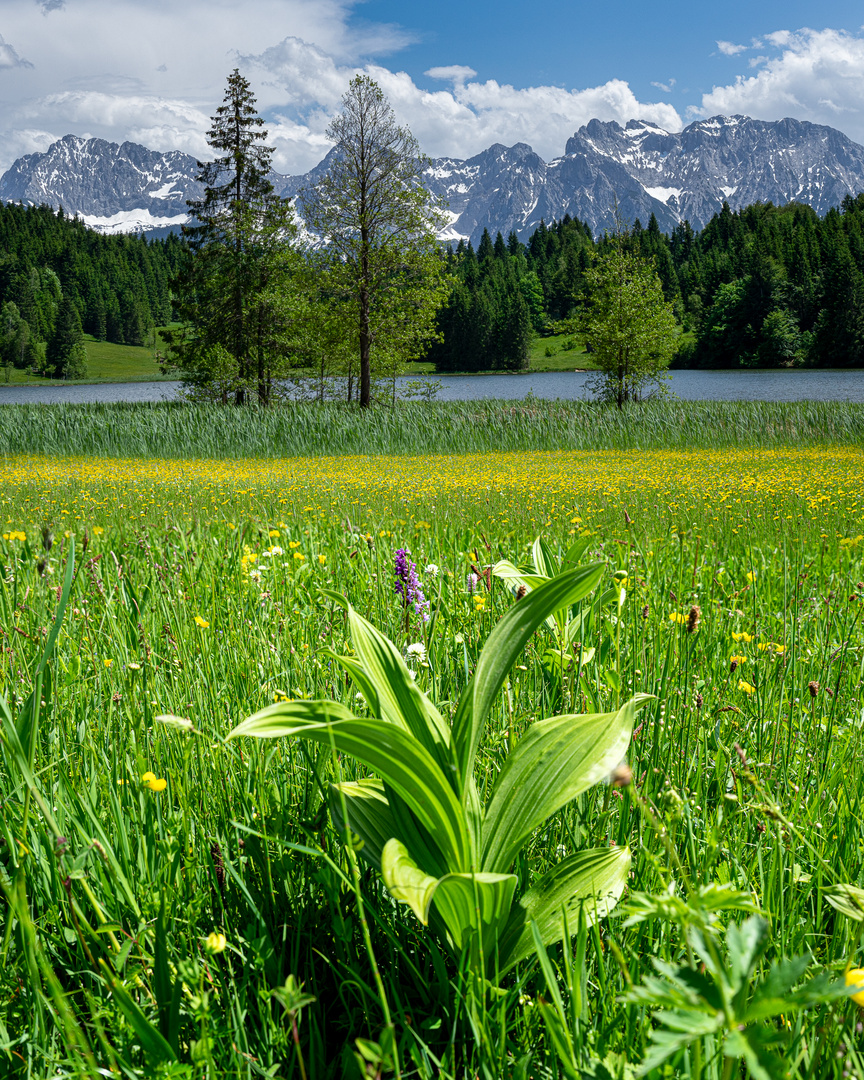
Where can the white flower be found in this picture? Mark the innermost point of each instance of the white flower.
(431, 569)
(418, 651)
(255, 575)
(276, 550)
(472, 581)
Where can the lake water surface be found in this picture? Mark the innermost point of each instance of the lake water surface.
(744, 385)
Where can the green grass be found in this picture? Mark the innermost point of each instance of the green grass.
(106, 362)
(238, 841)
(182, 430)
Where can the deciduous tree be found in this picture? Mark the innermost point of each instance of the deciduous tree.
(380, 227)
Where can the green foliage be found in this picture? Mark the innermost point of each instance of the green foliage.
(65, 355)
(119, 284)
(423, 826)
(238, 283)
(384, 262)
(630, 327)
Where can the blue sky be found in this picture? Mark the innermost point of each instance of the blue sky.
(462, 75)
(585, 44)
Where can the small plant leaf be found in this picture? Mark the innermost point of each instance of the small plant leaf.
(459, 898)
(369, 815)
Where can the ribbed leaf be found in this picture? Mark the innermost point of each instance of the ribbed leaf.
(364, 684)
(505, 570)
(544, 559)
(406, 881)
(460, 899)
(502, 648)
(595, 878)
(368, 812)
(400, 700)
(575, 552)
(552, 763)
(393, 753)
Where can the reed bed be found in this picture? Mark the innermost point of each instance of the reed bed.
(180, 430)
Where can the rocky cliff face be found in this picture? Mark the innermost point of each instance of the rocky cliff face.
(640, 168)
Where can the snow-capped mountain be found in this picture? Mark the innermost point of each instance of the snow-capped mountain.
(113, 188)
(644, 169)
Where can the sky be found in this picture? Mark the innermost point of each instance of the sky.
(461, 74)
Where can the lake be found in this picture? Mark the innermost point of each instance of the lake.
(836, 384)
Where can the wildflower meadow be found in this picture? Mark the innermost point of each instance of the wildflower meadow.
(538, 760)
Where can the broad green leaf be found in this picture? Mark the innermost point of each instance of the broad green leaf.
(357, 673)
(401, 701)
(406, 881)
(847, 899)
(459, 898)
(552, 763)
(575, 552)
(503, 646)
(594, 878)
(505, 570)
(368, 812)
(395, 754)
(545, 562)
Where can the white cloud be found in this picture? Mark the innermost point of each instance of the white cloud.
(457, 122)
(815, 75)
(665, 87)
(456, 73)
(9, 58)
(728, 49)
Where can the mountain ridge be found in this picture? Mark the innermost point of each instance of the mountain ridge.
(639, 168)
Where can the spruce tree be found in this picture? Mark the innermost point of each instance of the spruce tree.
(65, 355)
(234, 291)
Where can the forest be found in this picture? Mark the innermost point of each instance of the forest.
(59, 279)
(764, 286)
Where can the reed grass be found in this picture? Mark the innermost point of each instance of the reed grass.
(178, 430)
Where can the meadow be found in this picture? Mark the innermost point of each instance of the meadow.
(180, 903)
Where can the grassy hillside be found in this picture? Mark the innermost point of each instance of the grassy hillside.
(106, 362)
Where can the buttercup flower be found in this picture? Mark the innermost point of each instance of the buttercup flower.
(201, 622)
(215, 943)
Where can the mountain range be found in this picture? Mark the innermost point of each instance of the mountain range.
(645, 170)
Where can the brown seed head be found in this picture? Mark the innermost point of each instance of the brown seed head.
(733, 664)
(521, 591)
(621, 776)
(693, 617)
(699, 701)
(813, 687)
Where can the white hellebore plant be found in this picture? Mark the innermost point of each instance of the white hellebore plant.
(422, 824)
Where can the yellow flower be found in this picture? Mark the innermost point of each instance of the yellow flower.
(737, 659)
(98, 530)
(201, 622)
(293, 543)
(107, 662)
(322, 559)
(150, 780)
(746, 687)
(479, 602)
(677, 617)
(751, 576)
(273, 533)
(743, 636)
(15, 536)
(298, 555)
(855, 977)
(215, 943)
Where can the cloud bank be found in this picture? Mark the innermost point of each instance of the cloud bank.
(123, 69)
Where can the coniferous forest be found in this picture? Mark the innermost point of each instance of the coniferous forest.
(765, 286)
(59, 278)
